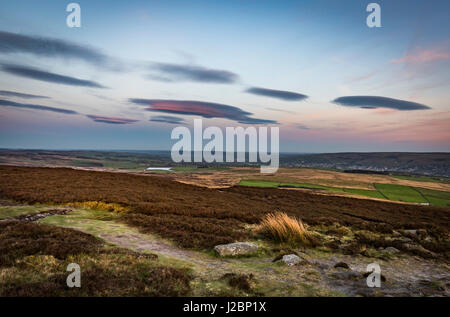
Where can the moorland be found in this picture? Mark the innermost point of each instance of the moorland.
(149, 229)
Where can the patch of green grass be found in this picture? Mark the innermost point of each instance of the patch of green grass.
(436, 197)
(258, 183)
(312, 186)
(364, 192)
(94, 222)
(400, 193)
(16, 211)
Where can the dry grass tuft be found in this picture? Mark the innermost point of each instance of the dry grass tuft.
(282, 228)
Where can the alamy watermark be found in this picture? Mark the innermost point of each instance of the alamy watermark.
(374, 278)
(74, 278)
(374, 18)
(73, 20)
(235, 149)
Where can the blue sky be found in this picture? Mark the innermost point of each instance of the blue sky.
(247, 62)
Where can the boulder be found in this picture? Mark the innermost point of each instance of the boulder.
(237, 248)
(291, 259)
(391, 250)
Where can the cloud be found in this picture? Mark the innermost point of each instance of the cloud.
(7, 103)
(111, 120)
(373, 102)
(34, 73)
(167, 119)
(175, 72)
(362, 77)
(302, 127)
(8, 93)
(200, 108)
(49, 47)
(280, 94)
(422, 56)
(281, 110)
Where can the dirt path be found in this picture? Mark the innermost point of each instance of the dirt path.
(140, 243)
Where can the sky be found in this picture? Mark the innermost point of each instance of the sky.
(136, 69)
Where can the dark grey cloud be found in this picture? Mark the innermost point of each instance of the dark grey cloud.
(110, 120)
(167, 119)
(279, 94)
(8, 93)
(175, 72)
(49, 47)
(200, 108)
(7, 103)
(373, 102)
(37, 74)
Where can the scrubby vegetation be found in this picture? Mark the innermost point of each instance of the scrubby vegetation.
(198, 217)
(34, 257)
(22, 239)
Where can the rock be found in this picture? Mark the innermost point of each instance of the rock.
(418, 249)
(413, 232)
(391, 250)
(291, 259)
(342, 265)
(237, 248)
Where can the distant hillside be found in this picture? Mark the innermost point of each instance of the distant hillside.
(436, 164)
(430, 164)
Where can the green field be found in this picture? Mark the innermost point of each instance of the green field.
(365, 192)
(400, 193)
(272, 184)
(382, 191)
(436, 197)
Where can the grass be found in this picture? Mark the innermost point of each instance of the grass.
(282, 228)
(273, 184)
(256, 183)
(383, 191)
(16, 211)
(400, 193)
(436, 197)
(94, 222)
(365, 192)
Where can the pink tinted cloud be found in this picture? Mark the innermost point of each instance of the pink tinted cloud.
(200, 108)
(423, 56)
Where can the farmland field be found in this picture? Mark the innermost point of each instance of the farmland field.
(391, 192)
